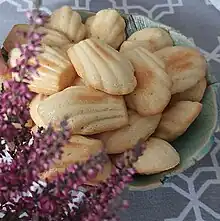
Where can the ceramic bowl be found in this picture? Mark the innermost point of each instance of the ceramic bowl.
(199, 138)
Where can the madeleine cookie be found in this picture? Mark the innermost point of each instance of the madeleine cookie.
(68, 22)
(107, 25)
(185, 65)
(51, 38)
(194, 93)
(102, 67)
(153, 39)
(88, 111)
(158, 156)
(152, 93)
(176, 120)
(54, 74)
(125, 138)
(79, 150)
(33, 109)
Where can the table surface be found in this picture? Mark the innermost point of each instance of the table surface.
(195, 194)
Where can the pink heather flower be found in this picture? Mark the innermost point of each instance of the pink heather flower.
(54, 200)
(18, 176)
(27, 65)
(15, 99)
(14, 108)
(37, 17)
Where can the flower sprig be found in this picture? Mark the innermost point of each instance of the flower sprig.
(27, 65)
(18, 176)
(34, 153)
(16, 96)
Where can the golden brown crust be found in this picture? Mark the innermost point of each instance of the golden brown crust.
(185, 65)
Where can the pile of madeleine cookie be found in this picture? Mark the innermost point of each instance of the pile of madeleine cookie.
(114, 90)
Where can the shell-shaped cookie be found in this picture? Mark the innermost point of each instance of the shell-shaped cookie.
(109, 26)
(89, 111)
(68, 22)
(176, 119)
(51, 38)
(194, 93)
(159, 156)
(154, 39)
(79, 150)
(102, 67)
(54, 74)
(125, 138)
(185, 65)
(33, 109)
(152, 93)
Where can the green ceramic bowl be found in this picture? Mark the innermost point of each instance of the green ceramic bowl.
(199, 138)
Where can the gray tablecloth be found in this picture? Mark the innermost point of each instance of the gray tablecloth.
(195, 194)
